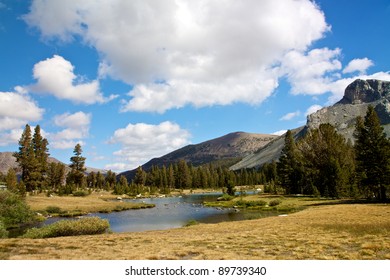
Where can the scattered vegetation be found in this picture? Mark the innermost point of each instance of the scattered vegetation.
(3, 230)
(327, 232)
(83, 226)
(14, 211)
(191, 223)
(71, 206)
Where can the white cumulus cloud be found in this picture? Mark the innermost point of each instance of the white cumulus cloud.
(141, 142)
(75, 128)
(55, 76)
(358, 65)
(182, 52)
(17, 109)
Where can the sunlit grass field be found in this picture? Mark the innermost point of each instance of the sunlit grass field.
(324, 229)
(70, 205)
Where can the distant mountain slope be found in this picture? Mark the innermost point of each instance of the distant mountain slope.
(232, 145)
(7, 161)
(357, 97)
(268, 153)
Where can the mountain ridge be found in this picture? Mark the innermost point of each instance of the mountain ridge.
(7, 161)
(232, 145)
(342, 115)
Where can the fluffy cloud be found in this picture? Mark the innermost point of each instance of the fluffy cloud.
(75, 128)
(309, 73)
(180, 52)
(17, 109)
(358, 65)
(56, 76)
(140, 142)
(320, 71)
(10, 137)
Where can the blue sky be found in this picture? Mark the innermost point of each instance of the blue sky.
(133, 80)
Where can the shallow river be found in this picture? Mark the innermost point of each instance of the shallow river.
(172, 212)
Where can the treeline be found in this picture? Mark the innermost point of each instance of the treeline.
(324, 163)
(183, 175)
(37, 173)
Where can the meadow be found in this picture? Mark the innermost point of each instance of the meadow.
(323, 230)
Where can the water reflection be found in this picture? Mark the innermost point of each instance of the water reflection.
(172, 212)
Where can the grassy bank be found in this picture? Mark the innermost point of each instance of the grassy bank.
(267, 202)
(68, 206)
(340, 231)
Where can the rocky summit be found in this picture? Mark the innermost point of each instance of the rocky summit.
(357, 97)
(342, 115)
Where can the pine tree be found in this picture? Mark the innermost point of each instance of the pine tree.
(77, 166)
(139, 178)
(25, 156)
(328, 161)
(55, 175)
(32, 158)
(290, 172)
(110, 180)
(11, 181)
(372, 154)
(41, 156)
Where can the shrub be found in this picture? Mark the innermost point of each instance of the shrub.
(3, 231)
(274, 202)
(191, 223)
(80, 193)
(225, 197)
(252, 203)
(13, 210)
(84, 226)
(53, 210)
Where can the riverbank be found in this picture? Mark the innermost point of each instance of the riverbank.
(340, 231)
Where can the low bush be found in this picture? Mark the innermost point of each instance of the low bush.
(191, 223)
(251, 204)
(80, 193)
(14, 211)
(274, 202)
(3, 230)
(225, 197)
(84, 226)
(53, 210)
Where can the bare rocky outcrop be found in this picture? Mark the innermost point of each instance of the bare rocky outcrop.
(357, 97)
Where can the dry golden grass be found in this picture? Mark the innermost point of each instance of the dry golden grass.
(96, 202)
(346, 231)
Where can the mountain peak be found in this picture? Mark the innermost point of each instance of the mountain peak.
(365, 91)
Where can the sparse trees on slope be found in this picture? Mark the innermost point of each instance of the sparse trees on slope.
(372, 155)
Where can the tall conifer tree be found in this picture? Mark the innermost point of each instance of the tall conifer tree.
(289, 166)
(77, 165)
(372, 154)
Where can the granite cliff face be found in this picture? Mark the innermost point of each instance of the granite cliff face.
(366, 91)
(357, 97)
